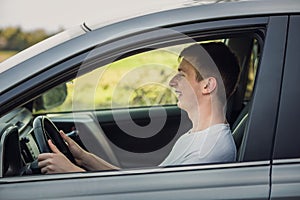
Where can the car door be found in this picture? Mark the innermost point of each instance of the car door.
(286, 157)
(246, 179)
(124, 148)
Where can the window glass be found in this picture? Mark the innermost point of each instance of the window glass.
(138, 80)
(135, 81)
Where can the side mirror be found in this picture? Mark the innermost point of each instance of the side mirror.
(51, 99)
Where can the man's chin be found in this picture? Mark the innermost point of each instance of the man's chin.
(183, 106)
(179, 104)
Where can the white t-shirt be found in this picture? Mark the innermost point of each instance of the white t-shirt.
(212, 145)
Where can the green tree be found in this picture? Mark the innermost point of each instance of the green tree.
(15, 39)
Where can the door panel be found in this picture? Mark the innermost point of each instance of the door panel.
(227, 181)
(286, 179)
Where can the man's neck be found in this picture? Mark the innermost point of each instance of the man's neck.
(207, 115)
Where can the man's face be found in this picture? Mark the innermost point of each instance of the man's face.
(187, 88)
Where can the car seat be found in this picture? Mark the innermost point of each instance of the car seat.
(238, 129)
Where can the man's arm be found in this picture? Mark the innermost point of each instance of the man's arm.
(56, 162)
(91, 162)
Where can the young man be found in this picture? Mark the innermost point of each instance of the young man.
(206, 78)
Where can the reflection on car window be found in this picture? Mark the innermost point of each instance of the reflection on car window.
(136, 81)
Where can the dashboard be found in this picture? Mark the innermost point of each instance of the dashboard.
(19, 149)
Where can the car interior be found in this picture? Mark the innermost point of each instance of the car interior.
(98, 130)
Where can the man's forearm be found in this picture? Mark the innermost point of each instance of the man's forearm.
(92, 162)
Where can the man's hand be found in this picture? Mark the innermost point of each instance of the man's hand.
(78, 153)
(57, 162)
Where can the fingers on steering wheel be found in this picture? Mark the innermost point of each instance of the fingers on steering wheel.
(53, 147)
(65, 137)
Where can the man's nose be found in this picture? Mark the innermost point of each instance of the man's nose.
(173, 81)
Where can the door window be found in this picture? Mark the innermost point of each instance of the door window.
(140, 80)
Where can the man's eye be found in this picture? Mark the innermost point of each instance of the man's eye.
(179, 75)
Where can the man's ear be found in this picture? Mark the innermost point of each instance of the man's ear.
(209, 85)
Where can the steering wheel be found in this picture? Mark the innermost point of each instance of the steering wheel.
(44, 129)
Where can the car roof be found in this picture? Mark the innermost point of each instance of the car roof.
(169, 14)
(45, 54)
(209, 9)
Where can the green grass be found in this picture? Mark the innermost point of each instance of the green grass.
(6, 54)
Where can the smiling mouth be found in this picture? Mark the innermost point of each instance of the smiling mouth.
(178, 93)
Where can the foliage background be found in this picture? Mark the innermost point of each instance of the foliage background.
(15, 39)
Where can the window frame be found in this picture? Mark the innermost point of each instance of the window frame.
(118, 48)
(127, 46)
